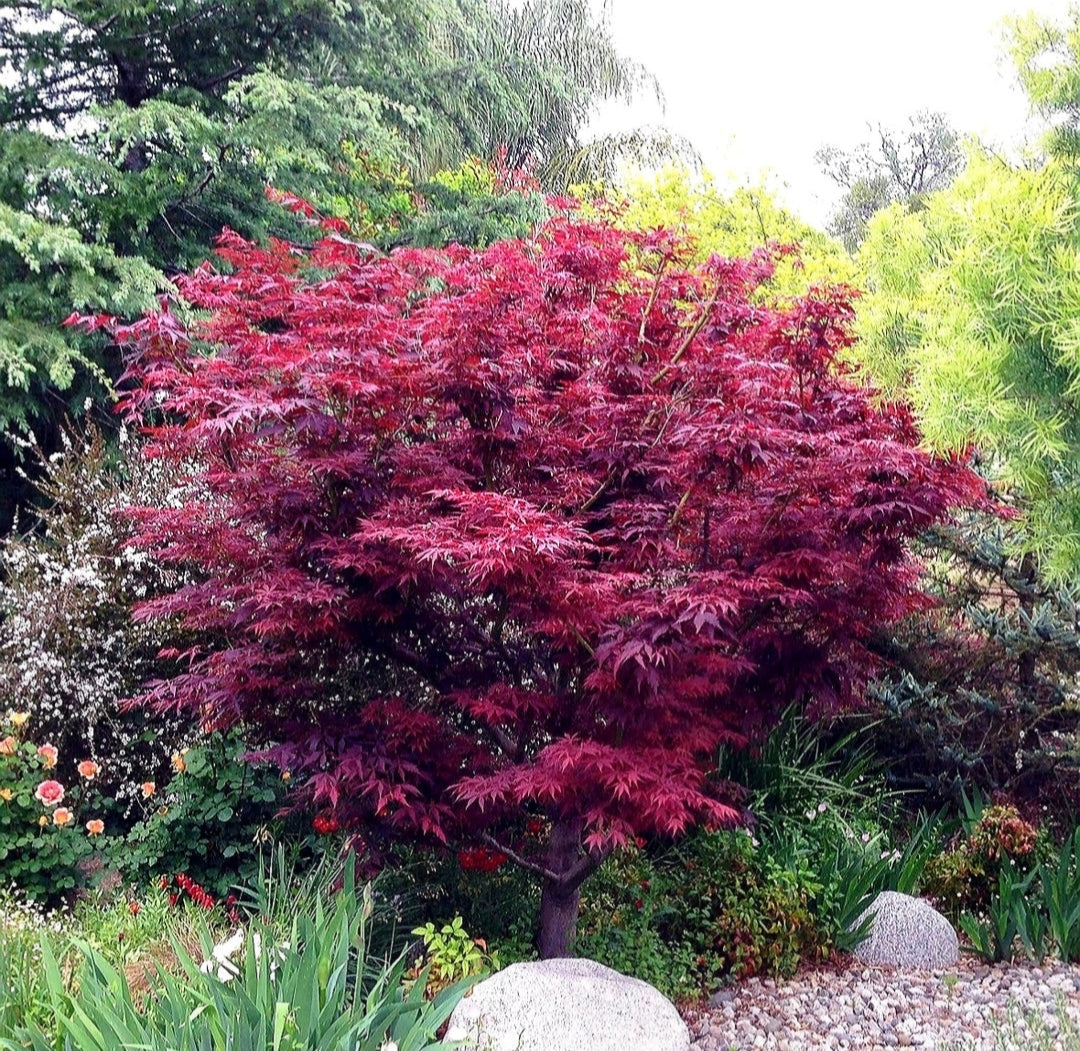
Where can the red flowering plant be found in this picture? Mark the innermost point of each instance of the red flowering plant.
(528, 530)
(45, 800)
(182, 887)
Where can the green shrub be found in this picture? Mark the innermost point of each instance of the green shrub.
(210, 818)
(981, 688)
(966, 876)
(714, 905)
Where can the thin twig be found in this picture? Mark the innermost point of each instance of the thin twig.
(697, 326)
(653, 296)
(591, 502)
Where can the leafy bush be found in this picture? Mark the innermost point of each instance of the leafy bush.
(449, 955)
(715, 905)
(212, 816)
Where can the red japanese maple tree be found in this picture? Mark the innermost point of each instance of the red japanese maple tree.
(521, 533)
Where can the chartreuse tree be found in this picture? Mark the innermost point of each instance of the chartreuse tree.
(733, 222)
(1047, 58)
(485, 537)
(972, 313)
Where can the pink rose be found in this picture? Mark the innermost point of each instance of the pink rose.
(50, 793)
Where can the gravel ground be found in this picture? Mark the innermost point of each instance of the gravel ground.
(972, 1006)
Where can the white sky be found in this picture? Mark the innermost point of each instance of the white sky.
(758, 87)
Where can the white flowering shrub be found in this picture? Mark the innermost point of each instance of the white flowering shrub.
(70, 651)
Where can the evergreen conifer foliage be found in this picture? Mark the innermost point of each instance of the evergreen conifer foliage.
(526, 532)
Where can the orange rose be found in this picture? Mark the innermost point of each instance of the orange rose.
(49, 753)
(8, 746)
(148, 789)
(178, 763)
(89, 769)
(62, 816)
(95, 826)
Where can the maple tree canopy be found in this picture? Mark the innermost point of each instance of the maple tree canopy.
(533, 529)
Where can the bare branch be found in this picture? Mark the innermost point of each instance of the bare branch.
(517, 859)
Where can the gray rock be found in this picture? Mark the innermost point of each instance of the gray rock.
(566, 1005)
(721, 996)
(907, 932)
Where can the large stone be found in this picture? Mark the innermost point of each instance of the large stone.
(566, 1005)
(907, 932)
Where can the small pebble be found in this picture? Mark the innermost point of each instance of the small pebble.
(871, 1009)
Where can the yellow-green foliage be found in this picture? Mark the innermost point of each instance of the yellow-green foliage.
(734, 224)
(1046, 54)
(973, 314)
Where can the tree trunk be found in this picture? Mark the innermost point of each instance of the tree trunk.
(132, 89)
(1028, 659)
(559, 898)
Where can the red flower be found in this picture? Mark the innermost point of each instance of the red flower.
(325, 824)
(133, 908)
(480, 859)
(194, 891)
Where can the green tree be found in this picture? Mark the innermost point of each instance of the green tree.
(973, 314)
(898, 167)
(130, 134)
